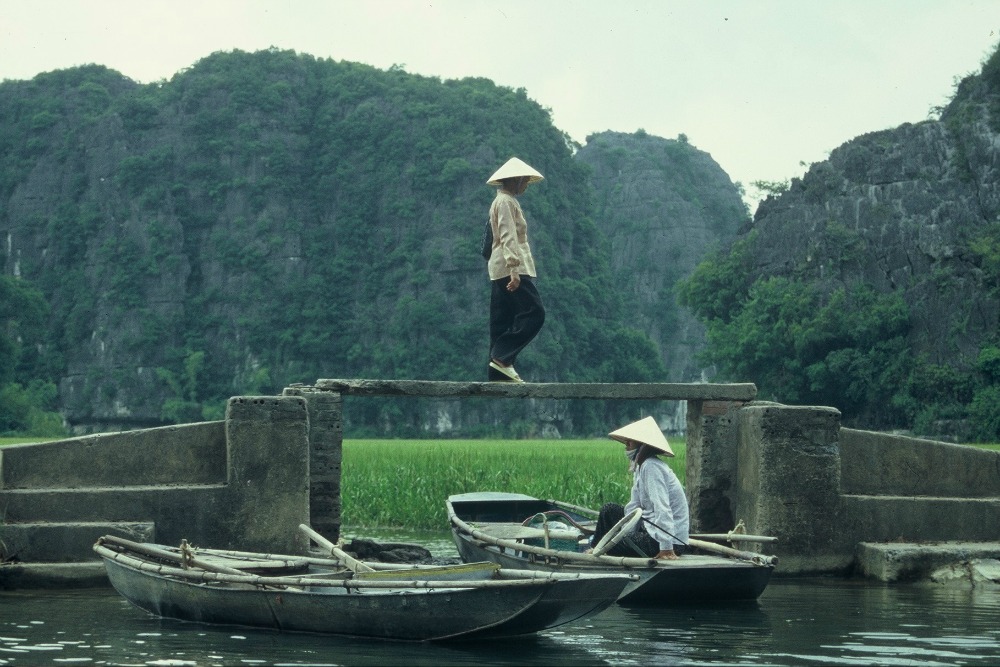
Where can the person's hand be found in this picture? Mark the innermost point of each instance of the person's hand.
(667, 554)
(515, 282)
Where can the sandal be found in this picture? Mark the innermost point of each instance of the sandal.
(507, 371)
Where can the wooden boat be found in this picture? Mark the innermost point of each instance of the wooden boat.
(520, 531)
(342, 596)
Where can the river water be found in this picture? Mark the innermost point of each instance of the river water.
(815, 621)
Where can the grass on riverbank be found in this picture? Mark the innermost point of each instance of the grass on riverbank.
(23, 440)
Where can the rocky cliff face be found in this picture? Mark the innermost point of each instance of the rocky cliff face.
(901, 210)
(264, 219)
(665, 205)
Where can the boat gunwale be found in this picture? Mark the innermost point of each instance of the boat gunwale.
(573, 557)
(516, 578)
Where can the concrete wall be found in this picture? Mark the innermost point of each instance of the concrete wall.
(326, 445)
(885, 464)
(247, 482)
(711, 464)
(788, 481)
(242, 483)
(822, 490)
(188, 454)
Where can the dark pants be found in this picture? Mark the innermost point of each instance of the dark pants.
(515, 318)
(638, 540)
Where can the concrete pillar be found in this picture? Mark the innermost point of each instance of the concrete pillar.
(326, 444)
(268, 453)
(710, 470)
(788, 485)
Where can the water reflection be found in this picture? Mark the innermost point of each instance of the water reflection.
(815, 621)
(796, 622)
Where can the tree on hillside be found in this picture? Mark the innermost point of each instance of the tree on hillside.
(269, 218)
(846, 348)
(24, 408)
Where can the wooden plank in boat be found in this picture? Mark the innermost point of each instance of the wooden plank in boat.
(256, 564)
(513, 531)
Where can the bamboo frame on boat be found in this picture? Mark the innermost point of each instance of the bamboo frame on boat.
(335, 551)
(621, 561)
(519, 578)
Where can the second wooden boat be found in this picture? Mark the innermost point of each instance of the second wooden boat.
(331, 596)
(499, 527)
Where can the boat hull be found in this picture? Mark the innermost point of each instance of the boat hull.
(512, 603)
(706, 579)
(419, 615)
(690, 579)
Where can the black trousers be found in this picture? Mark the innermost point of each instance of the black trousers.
(515, 318)
(639, 539)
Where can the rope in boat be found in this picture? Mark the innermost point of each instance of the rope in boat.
(740, 529)
(187, 555)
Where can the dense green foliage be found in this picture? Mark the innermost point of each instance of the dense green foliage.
(664, 204)
(269, 218)
(856, 310)
(804, 343)
(587, 473)
(800, 345)
(27, 400)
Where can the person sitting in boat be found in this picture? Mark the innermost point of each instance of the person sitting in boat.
(662, 531)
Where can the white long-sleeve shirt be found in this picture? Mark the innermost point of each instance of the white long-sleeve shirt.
(510, 238)
(660, 494)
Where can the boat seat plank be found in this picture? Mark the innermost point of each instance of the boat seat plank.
(514, 531)
(258, 564)
(464, 571)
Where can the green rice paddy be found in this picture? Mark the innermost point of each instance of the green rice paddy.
(404, 483)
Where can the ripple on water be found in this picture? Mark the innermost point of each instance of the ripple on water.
(796, 622)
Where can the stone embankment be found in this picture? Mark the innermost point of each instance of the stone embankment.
(840, 501)
(846, 501)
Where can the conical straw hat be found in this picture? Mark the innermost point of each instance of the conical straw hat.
(644, 431)
(513, 168)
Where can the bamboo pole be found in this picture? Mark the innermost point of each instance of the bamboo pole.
(757, 559)
(581, 558)
(345, 582)
(327, 561)
(353, 563)
(156, 552)
(735, 537)
(574, 508)
(591, 559)
(729, 537)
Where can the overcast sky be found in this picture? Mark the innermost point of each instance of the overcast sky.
(767, 87)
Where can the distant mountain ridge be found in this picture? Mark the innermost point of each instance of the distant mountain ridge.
(901, 227)
(664, 204)
(269, 218)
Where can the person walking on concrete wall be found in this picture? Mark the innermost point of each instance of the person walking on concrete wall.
(662, 531)
(516, 310)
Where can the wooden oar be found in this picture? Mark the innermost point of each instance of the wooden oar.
(733, 553)
(350, 561)
(734, 537)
